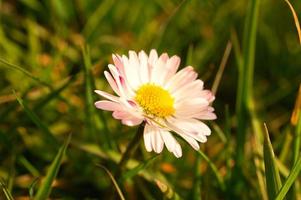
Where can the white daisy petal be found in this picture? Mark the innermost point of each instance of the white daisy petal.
(147, 138)
(205, 116)
(159, 69)
(178, 151)
(153, 57)
(191, 141)
(184, 135)
(181, 78)
(172, 66)
(157, 142)
(191, 127)
(130, 73)
(144, 69)
(190, 87)
(132, 121)
(171, 144)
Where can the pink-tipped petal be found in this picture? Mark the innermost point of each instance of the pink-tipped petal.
(108, 105)
(118, 63)
(112, 82)
(159, 70)
(181, 78)
(171, 66)
(205, 116)
(207, 94)
(190, 87)
(131, 73)
(107, 95)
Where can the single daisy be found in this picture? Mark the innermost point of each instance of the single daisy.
(149, 89)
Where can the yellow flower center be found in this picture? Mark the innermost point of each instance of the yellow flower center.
(155, 100)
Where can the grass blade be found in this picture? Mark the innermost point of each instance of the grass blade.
(48, 135)
(45, 189)
(129, 174)
(296, 120)
(89, 97)
(295, 19)
(196, 190)
(245, 79)
(24, 71)
(6, 191)
(297, 109)
(31, 188)
(114, 182)
(96, 18)
(221, 68)
(214, 169)
(290, 180)
(54, 94)
(167, 191)
(273, 180)
(29, 166)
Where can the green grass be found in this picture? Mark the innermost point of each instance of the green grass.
(52, 57)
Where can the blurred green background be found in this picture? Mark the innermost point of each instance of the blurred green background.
(53, 54)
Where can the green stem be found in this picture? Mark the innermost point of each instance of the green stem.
(132, 146)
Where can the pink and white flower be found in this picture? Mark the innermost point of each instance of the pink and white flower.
(149, 89)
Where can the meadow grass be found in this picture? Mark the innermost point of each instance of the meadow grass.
(55, 144)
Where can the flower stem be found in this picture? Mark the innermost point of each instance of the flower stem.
(132, 146)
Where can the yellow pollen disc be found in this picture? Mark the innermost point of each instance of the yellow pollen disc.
(155, 100)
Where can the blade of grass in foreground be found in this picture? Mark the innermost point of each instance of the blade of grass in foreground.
(290, 180)
(129, 174)
(22, 70)
(273, 180)
(45, 187)
(89, 97)
(196, 190)
(5, 191)
(27, 165)
(257, 150)
(221, 68)
(93, 122)
(296, 121)
(245, 79)
(167, 191)
(96, 18)
(214, 169)
(54, 94)
(48, 135)
(114, 182)
(295, 19)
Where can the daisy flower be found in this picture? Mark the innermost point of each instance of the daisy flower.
(149, 89)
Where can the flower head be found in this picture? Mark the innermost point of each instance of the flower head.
(149, 89)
